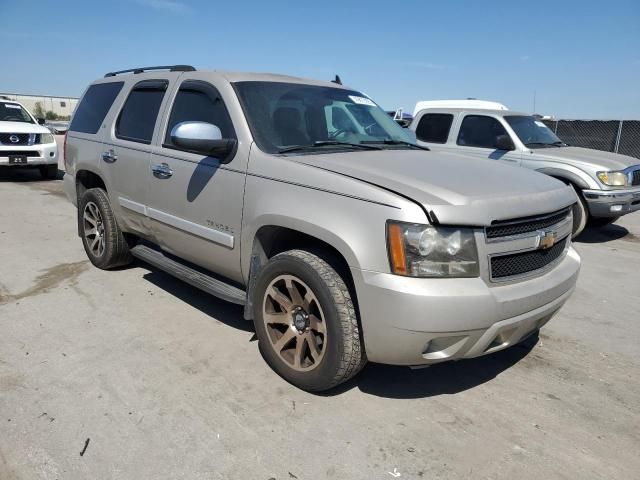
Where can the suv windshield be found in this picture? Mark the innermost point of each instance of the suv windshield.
(283, 115)
(12, 112)
(533, 133)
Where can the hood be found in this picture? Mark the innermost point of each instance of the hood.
(595, 160)
(455, 189)
(22, 127)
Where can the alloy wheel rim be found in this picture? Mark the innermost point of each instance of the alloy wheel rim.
(93, 229)
(295, 323)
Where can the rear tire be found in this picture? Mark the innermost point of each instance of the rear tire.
(103, 240)
(306, 322)
(49, 172)
(580, 214)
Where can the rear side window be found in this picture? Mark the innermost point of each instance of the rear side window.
(198, 101)
(434, 127)
(138, 116)
(94, 107)
(480, 131)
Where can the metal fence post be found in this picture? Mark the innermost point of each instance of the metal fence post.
(615, 149)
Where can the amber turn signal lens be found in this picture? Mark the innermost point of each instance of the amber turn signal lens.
(396, 249)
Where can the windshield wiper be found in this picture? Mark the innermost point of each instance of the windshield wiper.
(327, 143)
(543, 144)
(397, 142)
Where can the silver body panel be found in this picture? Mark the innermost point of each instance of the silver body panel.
(210, 214)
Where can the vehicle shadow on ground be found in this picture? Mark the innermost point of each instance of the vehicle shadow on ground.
(604, 234)
(446, 378)
(18, 175)
(225, 312)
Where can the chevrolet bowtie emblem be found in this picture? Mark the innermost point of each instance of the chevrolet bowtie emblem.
(547, 240)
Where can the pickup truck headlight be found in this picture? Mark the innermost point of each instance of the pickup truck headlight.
(426, 251)
(614, 179)
(46, 138)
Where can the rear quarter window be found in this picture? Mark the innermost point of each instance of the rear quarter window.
(94, 107)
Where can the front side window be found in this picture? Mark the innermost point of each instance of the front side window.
(137, 118)
(198, 101)
(533, 133)
(12, 112)
(285, 115)
(480, 131)
(94, 106)
(434, 127)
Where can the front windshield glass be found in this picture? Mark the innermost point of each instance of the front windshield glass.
(533, 133)
(12, 112)
(283, 115)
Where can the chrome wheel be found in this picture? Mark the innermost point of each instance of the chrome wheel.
(93, 229)
(294, 322)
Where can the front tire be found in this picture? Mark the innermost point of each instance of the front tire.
(103, 240)
(580, 214)
(306, 323)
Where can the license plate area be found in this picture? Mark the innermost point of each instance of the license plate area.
(17, 159)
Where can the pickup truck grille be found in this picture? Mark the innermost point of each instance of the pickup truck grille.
(516, 264)
(635, 178)
(23, 139)
(525, 225)
(19, 153)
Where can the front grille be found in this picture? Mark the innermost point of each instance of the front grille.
(526, 262)
(23, 139)
(19, 153)
(525, 225)
(635, 179)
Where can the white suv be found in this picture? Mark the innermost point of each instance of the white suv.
(24, 142)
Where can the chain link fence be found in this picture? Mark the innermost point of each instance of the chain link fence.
(618, 136)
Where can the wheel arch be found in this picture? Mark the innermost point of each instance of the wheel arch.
(565, 176)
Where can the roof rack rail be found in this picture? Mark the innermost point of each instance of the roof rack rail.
(171, 68)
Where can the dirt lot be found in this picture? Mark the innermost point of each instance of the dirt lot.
(133, 375)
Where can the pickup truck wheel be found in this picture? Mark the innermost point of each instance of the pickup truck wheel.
(580, 215)
(103, 241)
(49, 172)
(306, 322)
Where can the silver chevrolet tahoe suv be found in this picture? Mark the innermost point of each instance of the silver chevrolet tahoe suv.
(306, 203)
(607, 184)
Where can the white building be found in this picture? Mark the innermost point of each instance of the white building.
(61, 106)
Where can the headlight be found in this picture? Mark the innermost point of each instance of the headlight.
(614, 179)
(427, 251)
(46, 138)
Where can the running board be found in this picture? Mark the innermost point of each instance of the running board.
(189, 275)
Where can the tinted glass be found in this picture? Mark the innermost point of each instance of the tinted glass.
(533, 133)
(480, 131)
(434, 127)
(12, 112)
(289, 114)
(199, 102)
(137, 118)
(94, 107)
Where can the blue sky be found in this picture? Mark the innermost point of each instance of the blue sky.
(581, 57)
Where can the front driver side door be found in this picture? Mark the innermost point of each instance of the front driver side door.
(195, 201)
(478, 135)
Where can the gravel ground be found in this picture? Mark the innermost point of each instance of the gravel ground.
(131, 374)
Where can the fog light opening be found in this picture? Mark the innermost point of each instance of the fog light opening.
(616, 208)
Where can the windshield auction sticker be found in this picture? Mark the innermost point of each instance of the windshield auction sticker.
(362, 101)
(10, 105)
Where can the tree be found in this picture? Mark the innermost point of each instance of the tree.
(50, 115)
(38, 111)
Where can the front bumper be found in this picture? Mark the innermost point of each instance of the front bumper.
(419, 321)
(45, 154)
(612, 203)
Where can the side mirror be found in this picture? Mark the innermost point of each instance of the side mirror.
(504, 142)
(204, 138)
(41, 121)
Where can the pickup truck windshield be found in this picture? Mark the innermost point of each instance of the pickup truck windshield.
(533, 133)
(12, 112)
(285, 115)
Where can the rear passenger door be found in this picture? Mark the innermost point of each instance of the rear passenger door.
(195, 206)
(478, 135)
(127, 151)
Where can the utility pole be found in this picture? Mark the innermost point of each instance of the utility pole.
(534, 101)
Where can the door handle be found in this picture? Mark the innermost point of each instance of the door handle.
(109, 156)
(162, 171)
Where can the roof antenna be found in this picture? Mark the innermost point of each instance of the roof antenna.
(337, 80)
